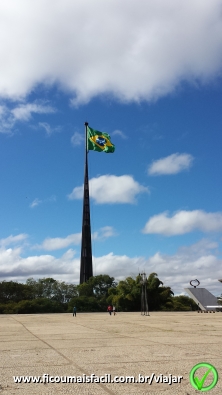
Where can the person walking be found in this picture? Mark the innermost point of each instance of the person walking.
(74, 311)
(114, 310)
(109, 309)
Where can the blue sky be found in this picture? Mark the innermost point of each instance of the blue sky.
(156, 88)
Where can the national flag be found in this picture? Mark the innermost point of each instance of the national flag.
(98, 141)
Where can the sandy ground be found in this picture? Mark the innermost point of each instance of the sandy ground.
(127, 344)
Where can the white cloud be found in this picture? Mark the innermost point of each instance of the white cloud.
(172, 164)
(24, 111)
(13, 239)
(184, 222)
(196, 261)
(14, 267)
(49, 130)
(36, 202)
(91, 56)
(118, 266)
(111, 189)
(57, 243)
(46, 127)
(187, 264)
(119, 133)
(51, 199)
(6, 120)
(104, 233)
(77, 139)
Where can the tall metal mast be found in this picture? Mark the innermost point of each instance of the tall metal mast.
(144, 301)
(86, 269)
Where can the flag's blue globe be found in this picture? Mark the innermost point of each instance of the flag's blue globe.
(101, 141)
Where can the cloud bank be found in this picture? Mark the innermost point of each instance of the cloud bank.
(111, 189)
(196, 261)
(184, 222)
(97, 47)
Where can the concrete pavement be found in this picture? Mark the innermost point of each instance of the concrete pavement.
(127, 344)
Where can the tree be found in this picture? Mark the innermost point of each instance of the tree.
(158, 295)
(50, 295)
(126, 296)
(13, 291)
(93, 293)
(101, 284)
(97, 286)
(51, 289)
(183, 303)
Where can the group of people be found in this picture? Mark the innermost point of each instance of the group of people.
(111, 309)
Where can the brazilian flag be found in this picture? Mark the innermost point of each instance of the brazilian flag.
(98, 141)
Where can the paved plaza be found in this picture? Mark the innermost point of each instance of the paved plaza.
(128, 344)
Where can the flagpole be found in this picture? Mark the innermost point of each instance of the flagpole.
(86, 269)
(86, 151)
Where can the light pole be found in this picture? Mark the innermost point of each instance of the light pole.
(144, 301)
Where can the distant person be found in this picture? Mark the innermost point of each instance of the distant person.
(74, 311)
(114, 310)
(109, 309)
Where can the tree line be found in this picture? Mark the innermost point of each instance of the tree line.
(48, 295)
